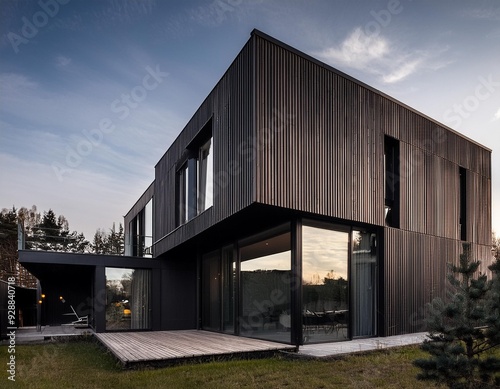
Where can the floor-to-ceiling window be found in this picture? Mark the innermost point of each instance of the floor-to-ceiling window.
(325, 284)
(128, 293)
(364, 287)
(265, 273)
(339, 282)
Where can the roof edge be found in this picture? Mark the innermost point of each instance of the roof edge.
(256, 32)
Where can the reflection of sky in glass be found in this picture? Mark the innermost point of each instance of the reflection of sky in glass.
(279, 261)
(117, 274)
(323, 251)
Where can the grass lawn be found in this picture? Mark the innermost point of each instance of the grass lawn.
(84, 364)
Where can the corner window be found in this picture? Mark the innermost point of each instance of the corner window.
(391, 181)
(141, 232)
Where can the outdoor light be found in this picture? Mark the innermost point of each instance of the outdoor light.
(43, 295)
(39, 301)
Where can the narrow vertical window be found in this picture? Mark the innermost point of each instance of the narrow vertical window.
(391, 179)
(205, 176)
(182, 195)
(463, 203)
(148, 229)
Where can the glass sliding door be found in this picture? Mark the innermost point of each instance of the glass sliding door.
(128, 299)
(325, 284)
(265, 271)
(363, 276)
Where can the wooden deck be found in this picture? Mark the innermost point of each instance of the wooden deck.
(161, 348)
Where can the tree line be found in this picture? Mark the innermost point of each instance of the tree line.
(50, 232)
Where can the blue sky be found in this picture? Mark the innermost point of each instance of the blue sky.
(67, 67)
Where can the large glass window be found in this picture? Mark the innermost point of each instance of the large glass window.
(325, 289)
(265, 288)
(128, 305)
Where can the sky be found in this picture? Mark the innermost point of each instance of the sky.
(92, 93)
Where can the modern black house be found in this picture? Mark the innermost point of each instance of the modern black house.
(297, 205)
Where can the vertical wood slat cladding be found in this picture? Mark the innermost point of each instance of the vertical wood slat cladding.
(327, 157)
(323, 158)
(230, 107)
(415, 271)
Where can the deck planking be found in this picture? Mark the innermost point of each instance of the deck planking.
(171, 346)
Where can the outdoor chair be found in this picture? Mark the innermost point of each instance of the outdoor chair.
(81, 321)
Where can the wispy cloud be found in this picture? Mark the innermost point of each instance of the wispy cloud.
(375, 54)
(483, 13)
(404, 70)
(497, 115)
(358, 50)
(62, 61)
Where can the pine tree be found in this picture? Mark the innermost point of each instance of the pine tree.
(459, 345)
(52, 233)
(9, 264)
(98, 245)
(109, 243)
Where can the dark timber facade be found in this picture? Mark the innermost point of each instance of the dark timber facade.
(301, 205)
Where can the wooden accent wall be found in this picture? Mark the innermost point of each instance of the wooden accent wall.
(415, 270)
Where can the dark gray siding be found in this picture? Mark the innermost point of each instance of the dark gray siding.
(321, 150)
(230, 105)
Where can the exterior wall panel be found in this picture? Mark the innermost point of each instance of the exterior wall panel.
(415, 272)
(319, 145)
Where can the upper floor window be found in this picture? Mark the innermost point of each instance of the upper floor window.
(195, 177)
(205, 176)
(182, 194)
(141, 232)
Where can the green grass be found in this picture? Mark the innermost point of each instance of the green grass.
(86, 365)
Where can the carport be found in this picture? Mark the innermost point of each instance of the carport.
(79, 281)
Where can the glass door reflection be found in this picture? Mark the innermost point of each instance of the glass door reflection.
(325, 284)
